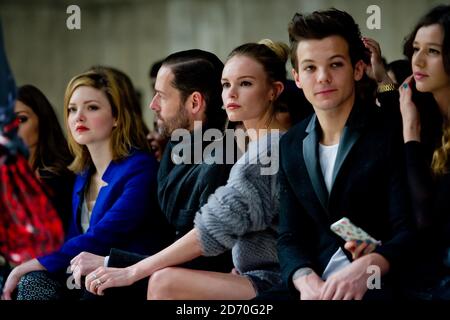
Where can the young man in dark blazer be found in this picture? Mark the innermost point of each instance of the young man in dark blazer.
(343, 161)
(187, 91)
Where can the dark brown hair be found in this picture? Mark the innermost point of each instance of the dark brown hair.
(322, 24)
(52, 152)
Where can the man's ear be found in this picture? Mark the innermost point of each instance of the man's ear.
(196, 103)
(296, 77)
(358, 70)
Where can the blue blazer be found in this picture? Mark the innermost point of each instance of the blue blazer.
(126, 214)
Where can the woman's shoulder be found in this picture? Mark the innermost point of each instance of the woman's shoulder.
(262, 147)
(266, 141)
(136, 157)
(136, 162)
(260, 159)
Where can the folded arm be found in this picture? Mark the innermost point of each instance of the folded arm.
(183, 250)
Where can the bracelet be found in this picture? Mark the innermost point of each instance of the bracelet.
(386, 87)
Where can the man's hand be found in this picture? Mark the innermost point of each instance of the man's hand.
(350, 283)
(359, 248)
(83, 264)
(309, 286)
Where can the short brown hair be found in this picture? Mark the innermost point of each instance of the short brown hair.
(326, 23)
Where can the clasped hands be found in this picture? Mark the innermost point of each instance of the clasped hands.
(98, 277)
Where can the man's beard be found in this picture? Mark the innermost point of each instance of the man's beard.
(180, 121)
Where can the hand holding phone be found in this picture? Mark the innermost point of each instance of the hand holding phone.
(348, 231)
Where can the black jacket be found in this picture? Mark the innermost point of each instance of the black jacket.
(369, 187)
(182, 190)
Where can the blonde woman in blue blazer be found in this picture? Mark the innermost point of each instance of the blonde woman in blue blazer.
(113, 200)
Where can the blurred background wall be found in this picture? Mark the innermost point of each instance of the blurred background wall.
(132, 34)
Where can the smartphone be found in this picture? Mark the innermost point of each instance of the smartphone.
(348, 231)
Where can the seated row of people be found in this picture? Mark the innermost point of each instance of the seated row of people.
(240, 231)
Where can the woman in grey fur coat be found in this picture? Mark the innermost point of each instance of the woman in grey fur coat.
(243, 214)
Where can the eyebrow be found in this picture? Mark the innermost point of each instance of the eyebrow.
(87, 101)
(330, 58)
(429, 43)
(160, 92)
(252, 77)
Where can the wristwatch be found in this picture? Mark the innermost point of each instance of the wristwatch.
(386, 87)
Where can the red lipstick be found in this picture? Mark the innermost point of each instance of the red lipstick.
(81, 129)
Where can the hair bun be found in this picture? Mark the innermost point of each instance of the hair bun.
(280, 48)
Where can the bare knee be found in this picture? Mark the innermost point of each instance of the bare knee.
(161, 285)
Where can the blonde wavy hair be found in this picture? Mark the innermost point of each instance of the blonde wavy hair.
(129, 132)
(440, 162)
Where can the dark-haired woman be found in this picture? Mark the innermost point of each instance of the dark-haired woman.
(49, 154)
(426, 132)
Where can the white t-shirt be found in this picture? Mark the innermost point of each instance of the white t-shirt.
(327, 155)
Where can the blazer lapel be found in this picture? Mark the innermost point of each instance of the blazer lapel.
(311, 158)
(103, 192)
(351, 133)
(348, 140)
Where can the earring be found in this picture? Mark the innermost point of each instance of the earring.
(223, 108)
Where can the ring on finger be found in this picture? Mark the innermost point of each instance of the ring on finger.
(98, 283)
